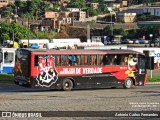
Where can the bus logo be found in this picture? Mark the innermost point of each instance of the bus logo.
(47, 74)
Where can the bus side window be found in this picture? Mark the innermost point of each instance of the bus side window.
(109, 60)
(75, 60)
(58, 60)
(99, 60)
(105, 60)
(70, 59)
(113, 59)
(78, 60)
(64, 60)
(123, 60)
(84, 59)
(92, 60)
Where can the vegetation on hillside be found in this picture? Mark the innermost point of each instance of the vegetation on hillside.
(34, 9)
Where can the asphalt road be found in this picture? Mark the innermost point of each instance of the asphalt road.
(16, 98)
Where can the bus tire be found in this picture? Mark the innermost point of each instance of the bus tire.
(67, 85)
(128, 83)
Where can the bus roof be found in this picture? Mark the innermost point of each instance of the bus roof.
(81, 51)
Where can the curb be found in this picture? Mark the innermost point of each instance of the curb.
(6, 81)
(152, 83)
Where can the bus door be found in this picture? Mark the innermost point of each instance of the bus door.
(140, 77)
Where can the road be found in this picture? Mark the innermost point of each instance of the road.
(16, 98)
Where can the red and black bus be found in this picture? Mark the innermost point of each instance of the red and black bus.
(68, 69)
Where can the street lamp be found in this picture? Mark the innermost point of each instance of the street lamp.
(150, 35)
(111, 12)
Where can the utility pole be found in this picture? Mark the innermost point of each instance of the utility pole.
(72, 18)
(28, 32)
(88, 33)
(111, 24)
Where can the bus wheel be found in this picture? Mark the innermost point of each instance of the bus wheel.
(67, 85)
(128, 83)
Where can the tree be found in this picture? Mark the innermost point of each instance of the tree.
(107, 30)
(30, 9)
(120, 31)
(56, 7)
(104, 9)
(7, 12)
(77, 4)
(7, 30)
(93, 12)
(147, 17)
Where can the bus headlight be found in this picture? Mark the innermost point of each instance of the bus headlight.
(140, 83)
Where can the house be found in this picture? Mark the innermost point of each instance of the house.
(94, 5)
(79, 16)
(46, 25)
(51, 14)
(3, 3)
(65, 18)
(73, 9)
(124, 3)
(126, 17)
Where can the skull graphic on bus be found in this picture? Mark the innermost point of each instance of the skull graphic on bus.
(47, 74)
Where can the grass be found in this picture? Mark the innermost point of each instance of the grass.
(153, 79)
(8, 78)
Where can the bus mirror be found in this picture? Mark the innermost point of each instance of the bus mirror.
(150, 63)
(1, 57)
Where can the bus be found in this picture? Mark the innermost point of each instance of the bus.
(7, 60)
(74, 69)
